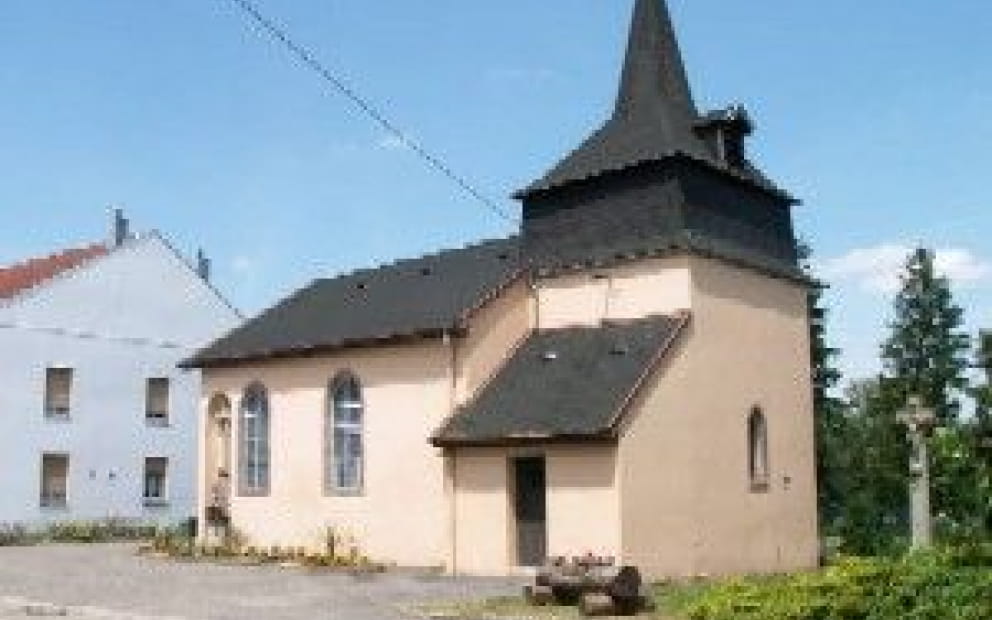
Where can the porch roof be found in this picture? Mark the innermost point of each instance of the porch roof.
(565, 385)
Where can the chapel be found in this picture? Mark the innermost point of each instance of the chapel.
(629, 376)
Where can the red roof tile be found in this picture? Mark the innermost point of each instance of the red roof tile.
(29, 274)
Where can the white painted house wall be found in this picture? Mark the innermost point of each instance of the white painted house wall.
(117, 321)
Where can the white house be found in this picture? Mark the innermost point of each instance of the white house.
(96, 420)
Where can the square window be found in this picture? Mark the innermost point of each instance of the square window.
(58, 393)
(54, 481)
(157, 402)
(156, 481)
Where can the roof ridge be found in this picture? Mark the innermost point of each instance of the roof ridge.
(399, 262)
(20, 278)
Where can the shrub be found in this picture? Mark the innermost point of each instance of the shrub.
(14, 535)
(947, 584)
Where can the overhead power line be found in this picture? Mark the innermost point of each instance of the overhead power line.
(305, 56)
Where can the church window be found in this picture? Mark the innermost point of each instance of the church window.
(757, 437)
(254, 433)
(345, 448)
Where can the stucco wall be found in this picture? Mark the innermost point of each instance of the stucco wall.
(401, 514)
(629, 291)
(118, 321)
(582, 505)
(494, 332)
(687, 503)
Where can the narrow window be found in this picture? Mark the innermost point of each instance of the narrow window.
(157, 402)
(254, 444)
(345, 413)
(156, 481)
(757, 437)
(58, 392)
(54, 481)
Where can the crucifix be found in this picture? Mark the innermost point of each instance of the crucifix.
(920, 421)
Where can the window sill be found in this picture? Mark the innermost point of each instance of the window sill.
(760, 487)
(157, 423)
(58, 419)
(49, 507)
(155, 503)
(345, 493)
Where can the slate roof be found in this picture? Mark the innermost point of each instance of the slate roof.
(568, 384)
(411, 298)
(655, 117)
(29, 274)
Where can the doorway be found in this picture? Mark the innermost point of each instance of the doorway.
(530, 508)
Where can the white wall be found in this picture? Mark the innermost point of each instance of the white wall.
(117, 322)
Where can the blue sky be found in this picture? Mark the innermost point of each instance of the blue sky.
(874, 113)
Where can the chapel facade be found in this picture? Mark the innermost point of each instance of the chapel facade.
(629, 376)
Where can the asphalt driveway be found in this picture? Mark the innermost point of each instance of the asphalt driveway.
(110, 582)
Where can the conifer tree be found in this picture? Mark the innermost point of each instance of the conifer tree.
(983, 394)
(827, 409)
(926, 353)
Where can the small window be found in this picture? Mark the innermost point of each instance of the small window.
(156, 480)
(157, 402)
(757, 437)
(58, 392)
(253, 455)
(346, 417)
(54, 481)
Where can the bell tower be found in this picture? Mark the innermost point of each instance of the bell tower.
(659, 178)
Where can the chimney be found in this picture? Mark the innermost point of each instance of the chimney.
(203, 265)
(120, 229)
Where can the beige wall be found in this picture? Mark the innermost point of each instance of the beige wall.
(687, 503)
(673, 497)
(582, 505)
(629, 291)
(400, 516)
(494, 332)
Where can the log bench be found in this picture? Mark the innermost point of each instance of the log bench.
(596, 585)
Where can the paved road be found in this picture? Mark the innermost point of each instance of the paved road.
(109, 582)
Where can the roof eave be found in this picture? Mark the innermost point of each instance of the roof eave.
(604, 437)
(305, 351)
(544, 187)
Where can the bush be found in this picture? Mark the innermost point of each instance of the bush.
(13, 535)
(947, 584)
(109, 530)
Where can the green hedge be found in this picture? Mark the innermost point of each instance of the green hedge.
(945, 585)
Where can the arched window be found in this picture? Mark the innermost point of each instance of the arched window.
(345, 413)
(757, 440)
(253, 455)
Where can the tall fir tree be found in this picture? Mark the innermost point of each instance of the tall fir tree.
(926, 353)
(827, 410)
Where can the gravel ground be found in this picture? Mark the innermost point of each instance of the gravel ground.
(110, 582)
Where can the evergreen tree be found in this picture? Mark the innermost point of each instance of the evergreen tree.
(927, 353)
(827, 410)
(982, 426)
(983, 394)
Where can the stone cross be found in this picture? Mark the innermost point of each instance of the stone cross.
(920, 421)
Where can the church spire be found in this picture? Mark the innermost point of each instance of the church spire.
(655, 118)
(654, 80)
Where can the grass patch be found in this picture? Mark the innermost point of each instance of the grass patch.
(504, 607)
(950, 584)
